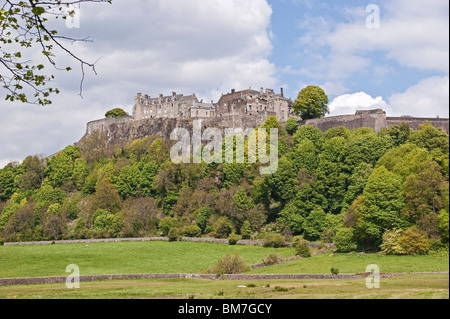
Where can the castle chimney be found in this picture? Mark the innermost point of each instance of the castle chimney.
(233, 91)
(261, 91)
(174, 93)
(282, 93)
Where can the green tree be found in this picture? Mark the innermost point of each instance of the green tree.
(127, 182)
(202, 217)
(223, 227)
(283, 183)
(117, 112)
(292, 125)
(7, 183)
(33, 173)
(314, 224)
(81, 171)
(60, 167)
(383, 201)
(311, 102)
(345, 240)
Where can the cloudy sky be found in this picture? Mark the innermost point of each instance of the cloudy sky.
(399, 62)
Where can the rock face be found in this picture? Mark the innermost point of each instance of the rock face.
(120, 130)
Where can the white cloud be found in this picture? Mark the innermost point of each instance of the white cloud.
(428, 98)
(414, 35)
(350, 103)
(158, 46)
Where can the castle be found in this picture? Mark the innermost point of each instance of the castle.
(246, 109)
(235, 104)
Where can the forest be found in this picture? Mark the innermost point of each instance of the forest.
(363, 191)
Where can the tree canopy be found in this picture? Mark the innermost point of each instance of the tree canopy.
(311, 102)
(359, 189)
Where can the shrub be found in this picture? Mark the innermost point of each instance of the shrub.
(334, 270)
(229, 264)
(272, 259)
(222, 227)
(191, 231)
(117, 112)
(391, 244)
(173, 234)
(246, 230)
(291, 125)
(2, 241)
(233, 239)
(345, 240)
(414, 241)
(274, 240)
(166, 224)
(301, 247)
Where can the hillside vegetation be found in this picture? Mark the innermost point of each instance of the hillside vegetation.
(362, 190)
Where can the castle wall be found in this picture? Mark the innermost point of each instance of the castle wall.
(127, 129)
(374, 119)
(415, 122)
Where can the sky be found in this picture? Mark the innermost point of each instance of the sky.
(368, 54)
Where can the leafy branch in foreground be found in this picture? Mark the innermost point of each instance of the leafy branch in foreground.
(25, 30)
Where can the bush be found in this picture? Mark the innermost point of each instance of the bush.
(229, 264)
(414, 241)
(173, 234)
(301, 247)
(391, 244)
(117, 112)
(166, 224)
(222, 227)
(345, 240)
(274, 240)
(334, 270)
(2, 241)
(272, 259)
(191, 231)
(291, 125)
(233, 239)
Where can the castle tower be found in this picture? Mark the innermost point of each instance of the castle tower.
(137, 108)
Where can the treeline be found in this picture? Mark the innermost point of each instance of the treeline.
(359, 189)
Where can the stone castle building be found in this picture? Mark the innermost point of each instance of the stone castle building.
(235, 104)
(246, 109)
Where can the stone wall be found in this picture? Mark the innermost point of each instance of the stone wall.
(415, 122)
(126, 129)
(374, 119)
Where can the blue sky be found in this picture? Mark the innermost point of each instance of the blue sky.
(209, 47)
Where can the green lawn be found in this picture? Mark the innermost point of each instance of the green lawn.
(357, 263)
(189, 257)
(123, 258)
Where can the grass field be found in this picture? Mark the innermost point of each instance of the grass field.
(404, 287)
(190, 257)
(123, 258)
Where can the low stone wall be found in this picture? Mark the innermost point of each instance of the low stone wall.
(236, 277)
(191, 239)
